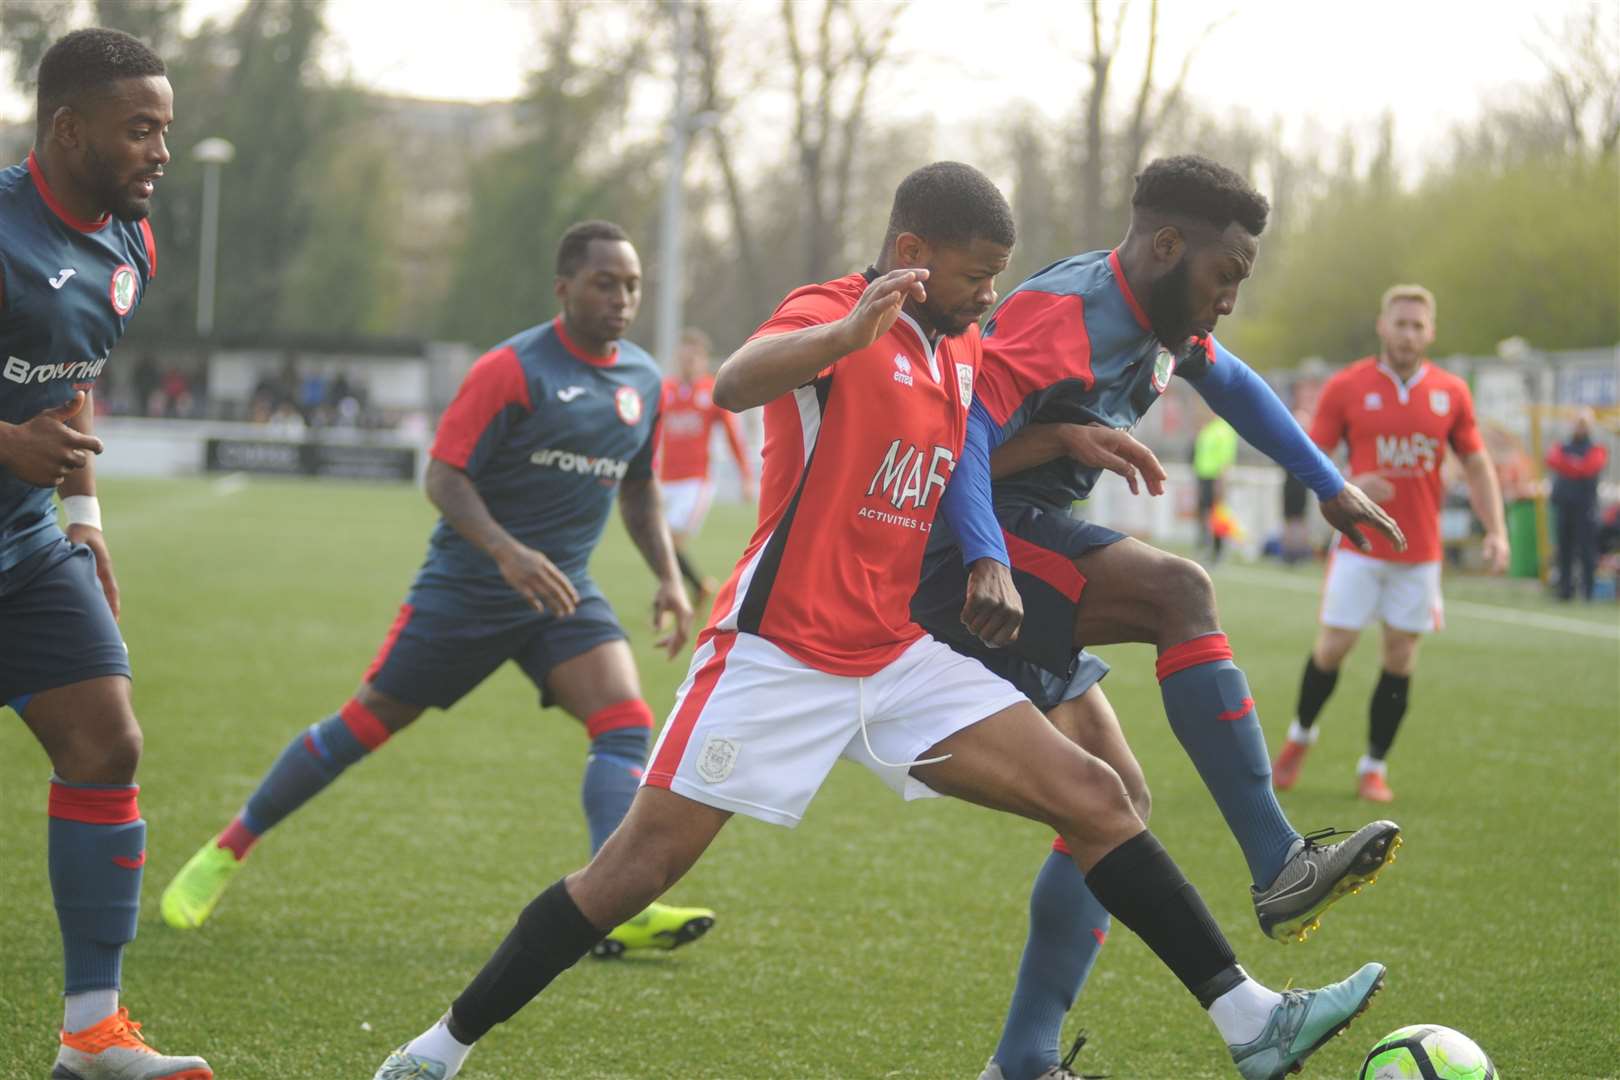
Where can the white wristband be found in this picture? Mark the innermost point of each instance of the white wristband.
(82, 510)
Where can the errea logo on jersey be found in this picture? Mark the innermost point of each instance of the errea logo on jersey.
(901, 476)
(18, 370)
(902, 370)
(583, 464)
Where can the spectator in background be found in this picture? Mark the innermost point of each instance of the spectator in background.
(1214, 451)
(1296, 537)
(146, 384)
(174, 394)
(1576, 465)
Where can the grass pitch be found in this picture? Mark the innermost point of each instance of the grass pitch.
(878, 939)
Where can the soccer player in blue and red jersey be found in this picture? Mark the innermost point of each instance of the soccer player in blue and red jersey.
(1094, 340)
(811, 655)
(76, 257)
(545, 430)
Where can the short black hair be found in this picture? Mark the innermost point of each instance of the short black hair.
(87, 62)
(1190, 186)
(576, 244)
(951, 204)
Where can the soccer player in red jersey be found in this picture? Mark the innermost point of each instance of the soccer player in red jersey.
(1397, 413)
(689, 417)
(811, 655)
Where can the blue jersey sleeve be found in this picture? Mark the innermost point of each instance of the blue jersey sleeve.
(1245, 400)
(967, 505)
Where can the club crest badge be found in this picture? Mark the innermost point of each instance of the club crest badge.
(964, 384)
(1373, 401)
(1440, 402)
(122, 289)
(716, 759)
(628, 402)
(1164, 366)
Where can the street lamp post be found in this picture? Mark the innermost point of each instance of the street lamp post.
(212, 153)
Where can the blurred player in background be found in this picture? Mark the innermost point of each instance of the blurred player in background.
(1397, 413)
(811, 655)
(689, 416)
(76, 257)
(1083, 348)
(544, 431)
(1576, 465)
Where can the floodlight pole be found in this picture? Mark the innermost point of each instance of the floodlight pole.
(212, 153)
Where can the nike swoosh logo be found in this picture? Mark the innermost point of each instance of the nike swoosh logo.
(131, 864)
(570, 394)
(61, 280)
(1306, 881)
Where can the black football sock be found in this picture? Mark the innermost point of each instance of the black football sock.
(550, 937)
(1143, 888)
(689, 570)
(1314, 689)
(1385, 713)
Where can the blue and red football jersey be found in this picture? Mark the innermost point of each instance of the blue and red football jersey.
(67, 290)
(546, 431)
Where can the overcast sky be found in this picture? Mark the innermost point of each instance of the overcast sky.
(1315, 65)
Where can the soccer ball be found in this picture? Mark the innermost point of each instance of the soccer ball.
(1427, 1052)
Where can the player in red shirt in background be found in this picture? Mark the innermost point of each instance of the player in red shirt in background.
(689, 416)
(1397, 413)
(1576, 465)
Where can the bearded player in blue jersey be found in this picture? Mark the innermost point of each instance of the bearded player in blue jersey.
(1073, 357)
(544, 431)
(76, 257)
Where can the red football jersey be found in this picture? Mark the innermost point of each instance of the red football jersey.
(1399, 431)
(688, 414)
(854, 465)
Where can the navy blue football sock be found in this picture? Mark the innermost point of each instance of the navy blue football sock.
(1067, 926)
(614, 766)
(1213, 714)
(316, 757)
(96, 848)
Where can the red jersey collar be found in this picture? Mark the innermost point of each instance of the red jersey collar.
(57, 208)
(1125, 288)
(1403, 388)
(580, 354)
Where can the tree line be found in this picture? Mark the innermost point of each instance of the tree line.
(328, 225)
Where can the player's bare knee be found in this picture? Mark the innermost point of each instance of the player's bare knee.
(1093, 801)
(108, 754)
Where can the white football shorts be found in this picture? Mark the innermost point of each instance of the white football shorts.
(686, 504)
(756, 731)
(1358, 588)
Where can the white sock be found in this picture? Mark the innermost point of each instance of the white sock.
(1241, 1013)
(1306, 735)
(1369, 764)
(88, 1009)
(437, 1044)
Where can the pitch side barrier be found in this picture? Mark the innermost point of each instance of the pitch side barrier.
(140, 447)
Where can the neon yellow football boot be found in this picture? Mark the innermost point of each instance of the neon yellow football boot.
(661, 926)
(191, 896)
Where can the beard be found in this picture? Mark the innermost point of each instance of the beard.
(111, 192)
(1169, 306)
(945, 323)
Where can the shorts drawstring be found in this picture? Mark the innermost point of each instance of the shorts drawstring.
(860, 712)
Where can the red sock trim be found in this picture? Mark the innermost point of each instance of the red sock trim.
(626, 714)
(1245, 707)
(237, 838)
(94, 805)
(1204, 649)
(1100, 935)
(363, 725)
(1060, 847)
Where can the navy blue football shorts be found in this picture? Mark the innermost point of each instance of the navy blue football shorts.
(1043, 545)
(434, 659)
(55, 626)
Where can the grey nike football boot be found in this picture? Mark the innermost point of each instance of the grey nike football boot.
(1318, 875)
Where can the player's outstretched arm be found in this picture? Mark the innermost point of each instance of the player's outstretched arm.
(1096, 446)
(767, 367)
(534, 577)
(1485, 494)
(641, 505)
(1351, 509)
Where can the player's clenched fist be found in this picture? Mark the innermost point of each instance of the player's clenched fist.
(42, 451)
(994, 611)
(537, 579)
(880, 305)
